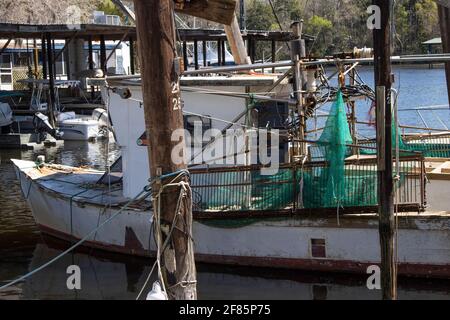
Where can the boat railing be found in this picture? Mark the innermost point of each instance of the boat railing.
(428, 144)
(297, 188)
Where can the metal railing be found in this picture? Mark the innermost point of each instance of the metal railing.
(429, 145)
(296, 188)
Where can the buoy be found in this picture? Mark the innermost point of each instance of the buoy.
(157, 293)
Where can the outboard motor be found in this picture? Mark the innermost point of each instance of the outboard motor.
(43, 127)
(6, 118)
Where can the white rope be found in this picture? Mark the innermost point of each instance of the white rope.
(160, 248)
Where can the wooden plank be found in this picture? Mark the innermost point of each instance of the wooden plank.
(220, 11)
(236, 42)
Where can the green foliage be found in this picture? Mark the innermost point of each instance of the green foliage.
(259, 15)
(109, 8)
(341, 24)
(319, 27)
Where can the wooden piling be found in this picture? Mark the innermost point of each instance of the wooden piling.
(51, 76)
(132, 64)
(35, 59)
(44, 57)
(383, 81)
(160, 72)
(444, 22)
(91, 63)
(103, 54)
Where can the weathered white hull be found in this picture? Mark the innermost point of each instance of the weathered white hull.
(351, 246)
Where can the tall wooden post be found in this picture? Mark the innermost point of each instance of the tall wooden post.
(383, 82)
(35, 59)
(196, 55)
(297, 53)
(44, 57)
(51, 76)
(353, 119)
(103, 54)
(205, 54)
(91, 63)
(163, 114)
(242, 15)
(444, 21)
(132, 64)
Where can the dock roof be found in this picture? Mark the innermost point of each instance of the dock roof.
(115, 32)
(434, 41)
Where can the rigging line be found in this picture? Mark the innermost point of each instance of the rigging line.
(157, 225)
(278, 21)
(147, 280)
(76, 245)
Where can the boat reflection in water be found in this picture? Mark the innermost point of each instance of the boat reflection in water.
(110, 276)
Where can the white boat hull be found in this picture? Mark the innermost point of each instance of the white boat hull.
(351, 246)
(79, 129)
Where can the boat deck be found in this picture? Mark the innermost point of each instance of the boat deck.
(81, 185)
(78, 184)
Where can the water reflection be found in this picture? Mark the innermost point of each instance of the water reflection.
(109, 276)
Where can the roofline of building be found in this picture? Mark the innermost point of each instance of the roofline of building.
(113, 32)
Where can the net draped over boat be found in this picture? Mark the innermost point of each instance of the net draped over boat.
(429, 145)
(331, 183)
(335, 183)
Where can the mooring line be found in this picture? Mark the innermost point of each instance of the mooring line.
(79, 243)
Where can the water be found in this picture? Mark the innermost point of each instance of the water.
(111, 276)
(417, 87)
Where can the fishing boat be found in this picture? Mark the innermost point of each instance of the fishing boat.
(314, 212)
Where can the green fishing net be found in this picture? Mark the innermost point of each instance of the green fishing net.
(325, 186)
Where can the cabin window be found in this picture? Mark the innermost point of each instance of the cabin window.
(318, 248)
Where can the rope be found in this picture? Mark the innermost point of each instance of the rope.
(79, 243)
(161, 248)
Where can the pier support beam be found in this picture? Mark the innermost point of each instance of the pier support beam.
(444, 21)
(160, 72)
(76, 63)
(44, 57)
(51, 75)
(103, 62)
(132, 64)
(91, 63)
(383, 83)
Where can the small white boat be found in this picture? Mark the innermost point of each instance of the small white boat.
(79, 129)
(82, 128)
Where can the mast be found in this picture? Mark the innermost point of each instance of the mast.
(297, 53)
(383, 83)
(163, 114)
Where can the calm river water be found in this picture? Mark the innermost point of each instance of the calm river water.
(108, 276)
